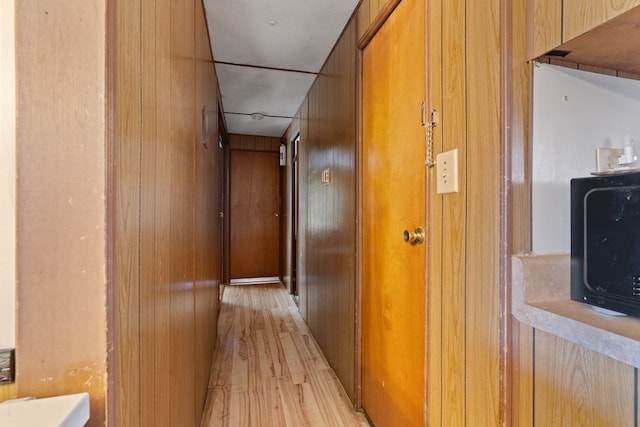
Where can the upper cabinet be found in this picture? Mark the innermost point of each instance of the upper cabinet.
(546, 26)
(554, 22)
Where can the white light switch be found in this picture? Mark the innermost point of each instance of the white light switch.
(447, 171)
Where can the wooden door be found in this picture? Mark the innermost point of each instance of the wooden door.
(393, 197)
(255, 210)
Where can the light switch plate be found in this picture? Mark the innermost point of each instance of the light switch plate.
(326, 176)
(447, 172)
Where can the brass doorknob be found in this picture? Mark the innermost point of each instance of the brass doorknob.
(415, 238)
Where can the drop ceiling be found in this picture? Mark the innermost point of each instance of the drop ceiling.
(267, 54)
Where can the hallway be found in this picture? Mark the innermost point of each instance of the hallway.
(267, 368)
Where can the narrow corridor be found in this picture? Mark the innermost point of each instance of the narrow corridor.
(267, 368)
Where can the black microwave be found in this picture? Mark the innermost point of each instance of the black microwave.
(605, 241)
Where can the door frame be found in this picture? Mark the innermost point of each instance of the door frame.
(294, 203)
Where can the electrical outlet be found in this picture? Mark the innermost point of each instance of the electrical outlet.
(447, 172)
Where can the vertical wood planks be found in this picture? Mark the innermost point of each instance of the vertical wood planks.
(453, 244)
(7, 392)
(127, 244)
(483, 221)
(523, 371)
(434, 312)
(255, 143)
(167, 194)
(181, 210)
(519, 144)
(161, 224)
(147, 209)
(576, 386)
(327, 212)
(545, 26)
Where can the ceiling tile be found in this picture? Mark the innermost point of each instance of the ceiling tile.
(270, 36)
(270, 92)
(304, 33)
(244, 125)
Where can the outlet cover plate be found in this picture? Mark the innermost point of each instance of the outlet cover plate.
(447, 172)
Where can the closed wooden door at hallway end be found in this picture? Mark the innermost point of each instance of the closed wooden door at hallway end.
(255, 211)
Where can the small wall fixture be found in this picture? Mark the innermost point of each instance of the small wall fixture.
(283, 155)
(326, 176)
(205, 126)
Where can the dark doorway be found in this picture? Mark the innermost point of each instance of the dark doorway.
(294, 216)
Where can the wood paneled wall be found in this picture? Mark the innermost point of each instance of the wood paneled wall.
(554, 22)
(466, 324)
(254, 143)
(479, 81)
(61, 140)
(327, 211)
(466, 318)
(167, 233)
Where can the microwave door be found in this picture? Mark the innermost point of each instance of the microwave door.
(612, 241)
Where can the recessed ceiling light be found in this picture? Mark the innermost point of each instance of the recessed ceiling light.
(257, 116)
(272, 22)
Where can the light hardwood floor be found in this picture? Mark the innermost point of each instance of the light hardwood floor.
(267, 368)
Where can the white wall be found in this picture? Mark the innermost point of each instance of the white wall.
(7, 175)
(574, 112)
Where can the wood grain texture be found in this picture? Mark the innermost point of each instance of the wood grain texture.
(519, 199)
(519, 144)
(393, 184)
(363, 17)
(607, 45)
(434, 311)
(546, 26)
(326, 241)
(581, 16)
(268, 369)
(126, 264)
(160, 224)
(576, 386)
(147, 192)
(453, 243)
(484, 186)
(523, 373)
(376, 19)
(254, 143)
(7, 392)
(208, 235)
(167, 192)
(183, 140)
